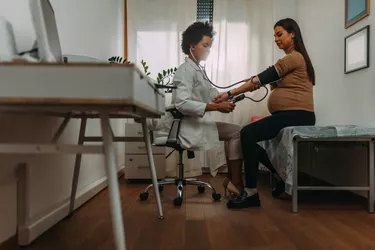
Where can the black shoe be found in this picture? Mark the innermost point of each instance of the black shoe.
(279, 186)
(244, 201)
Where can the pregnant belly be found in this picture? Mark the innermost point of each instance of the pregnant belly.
(289, 99)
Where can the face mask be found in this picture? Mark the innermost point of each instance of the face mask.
(204, 56)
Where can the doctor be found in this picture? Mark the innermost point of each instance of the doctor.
(192, 98)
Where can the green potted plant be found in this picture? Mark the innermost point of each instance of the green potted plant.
(164, 77)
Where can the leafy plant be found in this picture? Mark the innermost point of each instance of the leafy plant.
(118, 59)
(162, 76)
(145, 67)
(166, 74)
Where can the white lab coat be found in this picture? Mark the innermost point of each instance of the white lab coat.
(198, 130)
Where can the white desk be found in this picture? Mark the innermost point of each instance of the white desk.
(98, 91)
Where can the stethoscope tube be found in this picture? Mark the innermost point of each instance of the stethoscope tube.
(245, 80)
(203, 71)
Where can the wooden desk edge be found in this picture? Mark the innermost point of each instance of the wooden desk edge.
(63, 101)
(69, 64)
(74, 102)
(74, 64)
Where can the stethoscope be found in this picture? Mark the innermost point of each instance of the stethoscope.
(202, 69)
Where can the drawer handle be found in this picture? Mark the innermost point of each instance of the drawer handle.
(143, 167)
(142, 147)
(140, 133)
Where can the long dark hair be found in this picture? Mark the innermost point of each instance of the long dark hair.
(291, 26)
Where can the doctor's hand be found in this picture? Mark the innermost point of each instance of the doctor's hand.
(225, 107)
(221, 98)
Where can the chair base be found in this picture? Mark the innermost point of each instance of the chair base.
(180, 183)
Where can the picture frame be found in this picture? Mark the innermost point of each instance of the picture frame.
(356, 10)
(357, 50)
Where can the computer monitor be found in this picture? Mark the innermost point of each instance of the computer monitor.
(7, 40)
(47, 36)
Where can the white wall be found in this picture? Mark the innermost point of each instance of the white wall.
(86, 27)
(282, 9)
(339, 98)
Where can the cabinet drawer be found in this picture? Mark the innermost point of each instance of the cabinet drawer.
(140, 148)
(133, 130)
(137, 167)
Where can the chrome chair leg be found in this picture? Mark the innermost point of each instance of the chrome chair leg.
(200, 183)
(180, 183)
(161, 184)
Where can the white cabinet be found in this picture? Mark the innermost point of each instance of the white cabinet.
(136, 161)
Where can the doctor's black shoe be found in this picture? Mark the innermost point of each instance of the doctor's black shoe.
(279, 186)
(244, 201)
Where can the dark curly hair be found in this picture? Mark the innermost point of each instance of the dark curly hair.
(194, 34)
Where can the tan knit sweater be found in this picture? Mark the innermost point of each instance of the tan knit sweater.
(295, 90)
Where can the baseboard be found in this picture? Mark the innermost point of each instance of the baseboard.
(28, 233)
(9, 243)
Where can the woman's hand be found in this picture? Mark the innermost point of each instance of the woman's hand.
(225, 107)
(252, 86)
(248, 86)
(220, 98)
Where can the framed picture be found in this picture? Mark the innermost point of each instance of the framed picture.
(356, 10)
(357, 46)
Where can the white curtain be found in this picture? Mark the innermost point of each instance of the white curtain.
(154, 31)
(243, 46)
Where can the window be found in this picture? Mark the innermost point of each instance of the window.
(205, 10)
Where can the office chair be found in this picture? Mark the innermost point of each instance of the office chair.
(172, 141)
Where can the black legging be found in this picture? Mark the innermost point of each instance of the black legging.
(265, 129)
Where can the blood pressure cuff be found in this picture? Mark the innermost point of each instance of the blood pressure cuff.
(270, 75)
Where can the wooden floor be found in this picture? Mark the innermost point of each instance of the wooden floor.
(201, 224)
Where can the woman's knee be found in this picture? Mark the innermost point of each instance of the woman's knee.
(228, 131)
(235, 132)
(248, 133)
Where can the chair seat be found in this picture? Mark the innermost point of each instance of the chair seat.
(161, 141)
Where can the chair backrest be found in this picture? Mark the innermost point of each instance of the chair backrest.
(175, 127)
(173, 140)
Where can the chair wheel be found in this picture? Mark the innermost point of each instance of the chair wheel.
(143, 196)
(216, 196)
(161, 188)
(201, 189)
(177, 201)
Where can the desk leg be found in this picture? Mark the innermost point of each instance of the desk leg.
(295, 177)
(371, 177)
(114, 193)
(77, 166)
(152, 167)
(62, 127)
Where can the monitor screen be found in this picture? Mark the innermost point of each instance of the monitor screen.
(49, 48)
